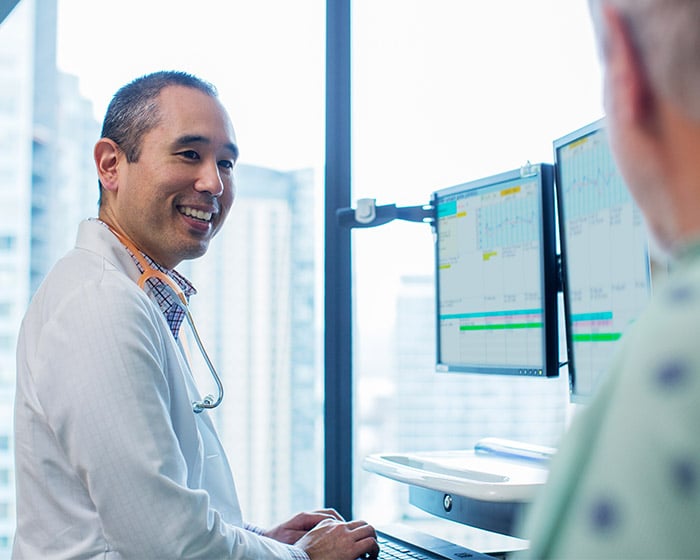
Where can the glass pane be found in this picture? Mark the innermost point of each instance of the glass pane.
(259, 302)
(447, 92)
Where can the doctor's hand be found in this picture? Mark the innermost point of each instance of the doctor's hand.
(291, 531)
(335, 540)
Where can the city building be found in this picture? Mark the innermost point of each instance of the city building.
(45, 168)
(16, 164)
(257, 306)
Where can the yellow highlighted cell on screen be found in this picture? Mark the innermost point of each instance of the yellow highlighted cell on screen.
(512, 190)
(490, 254)
(577, 143)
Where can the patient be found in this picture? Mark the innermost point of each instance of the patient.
(626, 480)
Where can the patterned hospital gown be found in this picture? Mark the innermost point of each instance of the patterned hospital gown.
(626, 480)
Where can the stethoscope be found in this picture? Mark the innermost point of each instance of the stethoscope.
(150, 272)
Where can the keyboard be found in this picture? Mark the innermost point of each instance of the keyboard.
(392, 550)
(404, 543)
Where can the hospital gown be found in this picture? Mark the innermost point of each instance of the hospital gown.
(626, 480)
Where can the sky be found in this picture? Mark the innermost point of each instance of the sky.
(444, 91)
(450, 72)
(240, 46)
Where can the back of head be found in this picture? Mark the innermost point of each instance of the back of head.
(666, 35)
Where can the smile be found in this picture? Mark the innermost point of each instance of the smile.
(194, 213)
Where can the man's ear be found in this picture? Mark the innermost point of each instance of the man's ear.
(107, 158)
(628, 93)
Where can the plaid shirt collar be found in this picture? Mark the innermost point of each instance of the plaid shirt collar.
(165, 297)
(162, 294)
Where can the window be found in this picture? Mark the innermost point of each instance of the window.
(442, 92)
(462, 90)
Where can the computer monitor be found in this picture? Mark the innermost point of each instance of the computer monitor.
(495, 247)
(604, 254)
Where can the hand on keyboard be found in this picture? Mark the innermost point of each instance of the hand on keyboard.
(335, 540)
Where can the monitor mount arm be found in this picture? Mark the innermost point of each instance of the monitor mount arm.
(368, 214)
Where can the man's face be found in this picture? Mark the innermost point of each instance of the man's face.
(175, 198)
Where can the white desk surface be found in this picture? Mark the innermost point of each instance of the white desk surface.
(464, 473)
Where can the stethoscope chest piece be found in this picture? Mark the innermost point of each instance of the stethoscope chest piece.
(207, 402)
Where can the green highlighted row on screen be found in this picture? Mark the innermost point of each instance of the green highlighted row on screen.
(596, 337)
(501, 326)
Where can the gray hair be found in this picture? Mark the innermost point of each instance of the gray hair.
(666, 36)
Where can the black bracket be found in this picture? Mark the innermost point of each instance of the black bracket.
(368, 214)
(560, 274)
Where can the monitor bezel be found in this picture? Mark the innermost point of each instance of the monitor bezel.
(566, 140)
(587, 130)
(548, 269)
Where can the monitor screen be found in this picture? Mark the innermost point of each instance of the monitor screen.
(496, 274)
(604, 253)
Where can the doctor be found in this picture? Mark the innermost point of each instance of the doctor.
(111, 459)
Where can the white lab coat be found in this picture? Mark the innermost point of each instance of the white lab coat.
(111, 461)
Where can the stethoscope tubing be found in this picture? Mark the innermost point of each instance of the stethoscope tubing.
(148, 271)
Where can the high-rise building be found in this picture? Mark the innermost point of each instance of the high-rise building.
(45, 126)
(16, 132)
(258, 313)
(44, 139)
(75, 192)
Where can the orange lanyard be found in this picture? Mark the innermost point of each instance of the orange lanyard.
(148, 270)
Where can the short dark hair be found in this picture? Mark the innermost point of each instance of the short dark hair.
(133, 110)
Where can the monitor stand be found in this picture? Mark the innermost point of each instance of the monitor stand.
(487, 487)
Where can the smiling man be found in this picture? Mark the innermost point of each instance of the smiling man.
(112, 458)
(175, 195)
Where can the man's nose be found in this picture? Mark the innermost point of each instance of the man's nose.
(210, 180)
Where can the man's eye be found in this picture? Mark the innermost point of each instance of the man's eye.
(189, 154)
(228, 164)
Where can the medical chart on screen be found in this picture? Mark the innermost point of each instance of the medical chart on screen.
(606, 255)
(489, 273)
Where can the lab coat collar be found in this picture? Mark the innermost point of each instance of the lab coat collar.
(96, 237)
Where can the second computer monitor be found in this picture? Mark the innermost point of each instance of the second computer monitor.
(495, 274)
(605, 257)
